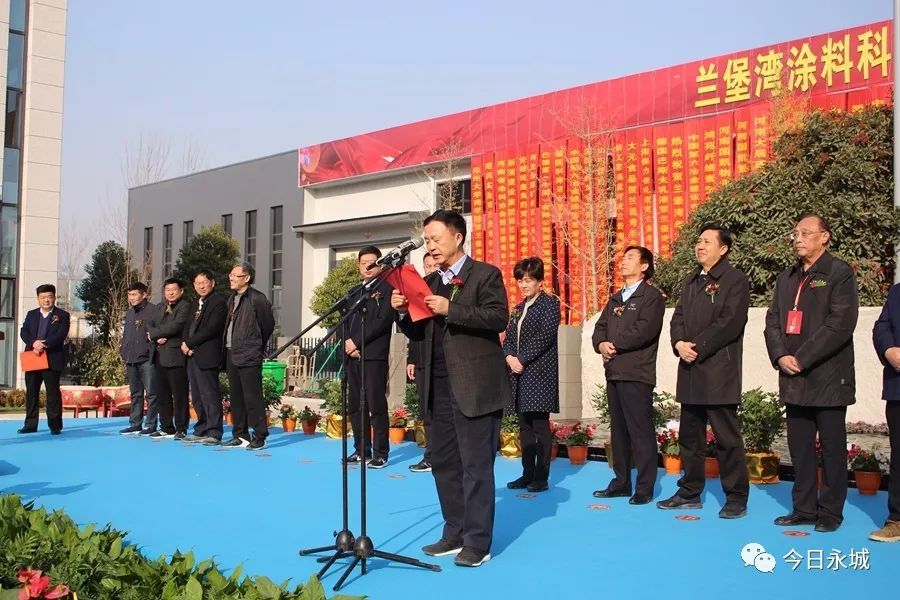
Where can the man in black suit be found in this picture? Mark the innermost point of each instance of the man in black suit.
(627, 335)
(249, 326)
(809, 336)
(378, 319)
(707, 332)
(414, 364)
(202, 345)
(463, 375)
(137, 353)
(44, 331)
(167, 332)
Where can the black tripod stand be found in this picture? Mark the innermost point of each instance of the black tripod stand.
(362, 548)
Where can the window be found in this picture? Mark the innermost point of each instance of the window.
(167, 250)
(9, 240)
(250, 238)
(455, 194)
(277, 228)
(147, 267)
(7, 298)
(14, 113)
(226, 223)
(188, 232)
(10, 176)
(15, 60)
(17, 15)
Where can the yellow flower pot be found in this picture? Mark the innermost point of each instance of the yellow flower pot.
(510, 447)
(333, 426)
(762, 467)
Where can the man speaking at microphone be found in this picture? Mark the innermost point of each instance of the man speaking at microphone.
(461, 367)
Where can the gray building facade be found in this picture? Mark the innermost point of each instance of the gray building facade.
(256, 201)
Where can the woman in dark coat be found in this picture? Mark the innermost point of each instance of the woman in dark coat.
(530, 348)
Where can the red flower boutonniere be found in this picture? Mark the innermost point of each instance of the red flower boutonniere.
(54, 320)
(711, 290)
(515, 314)
(455, 285)
(376, 296)
(618, 311)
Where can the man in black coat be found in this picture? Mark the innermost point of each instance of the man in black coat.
(44, 331)
(378, 318)
(809, 337)
(627, 335)
(886, 336)
(202, 345)
(462, 371)
(707, 332)
(167, 332)
(413, 365)
(248, 328)
(137, 353)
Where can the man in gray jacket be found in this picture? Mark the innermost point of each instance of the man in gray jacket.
(137, 352)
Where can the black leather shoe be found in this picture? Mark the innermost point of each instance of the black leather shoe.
(732, 512)
(608, 493)
(538, 486)
(639, 499)
(26, 430)
(677, 502)
(827, 524)
(792, 519)
(518, 484)
(56, 432)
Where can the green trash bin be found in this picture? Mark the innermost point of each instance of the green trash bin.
(275, 369)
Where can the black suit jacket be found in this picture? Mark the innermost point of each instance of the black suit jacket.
(379, 319)
(715, 323)
(170, 326)
(886, 335)
(475, 365)
(55, 340)
(204, 331)
(824, 348)
(634, 332)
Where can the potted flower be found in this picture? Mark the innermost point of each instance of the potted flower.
(288, 417)
(510, 444)
(400, 420)
(712, 457)
(411, 402)
(226, 411)
(866, 467)
(37, 585)
(762, 420)
(670, 449)
(577, 439)
(331, 406)
(558, 435)
(308, 420)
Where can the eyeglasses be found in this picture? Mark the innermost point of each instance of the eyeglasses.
(230, 276)
(803, 234)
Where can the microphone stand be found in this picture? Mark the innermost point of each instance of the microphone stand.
(361, 548)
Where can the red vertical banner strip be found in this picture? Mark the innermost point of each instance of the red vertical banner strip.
(679, 187)
(624, 225)
(575, 246)
(561, 210)
(662, 145)
(491, 225)
(710, 156)
(694, 162)
(478, 230)
(526, 235)
(545, 214)
(512, 220)
(530, 190)
(502, 210)
(724, 148)
(760, 136)
(596, 208)
(742, 123)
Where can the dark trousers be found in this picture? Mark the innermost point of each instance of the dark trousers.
(535, 437)
(172, 398)
(803, 422)
(729, 447)
(462, 458)
(376, 374)
(33, 381)
(247, 407)
(141, 384)
(892, 415)
(206, 399)
(426, 419)
(632, 433)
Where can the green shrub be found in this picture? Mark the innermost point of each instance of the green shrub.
(665, 408)
(510, 423)
(762, 419)
(330, 392)
(97, 364)
(15, 398)
(271, 390)
(411, 401)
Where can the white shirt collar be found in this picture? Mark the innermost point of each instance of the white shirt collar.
(448, 275)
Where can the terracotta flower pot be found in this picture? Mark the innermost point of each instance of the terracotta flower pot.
(554, 450)
(577, 454)
(193, 413)
(227, 419)
(396, 434)
(289, 425)
(510, 446)
(762, 467)
(712, 467)
(309, 426)
(867, 482)
(672, 464)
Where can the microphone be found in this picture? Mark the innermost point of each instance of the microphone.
(397, 254)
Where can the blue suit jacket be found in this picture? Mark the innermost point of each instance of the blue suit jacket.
(55, 340)
(886, 334)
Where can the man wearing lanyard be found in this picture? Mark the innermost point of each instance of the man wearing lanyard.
(809, 337)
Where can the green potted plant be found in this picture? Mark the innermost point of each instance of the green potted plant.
(665, 410)
(400, 419)
(330, 391)
(866, 467)
(577, 438)
(309, 419)
(412, 404)
(670, 448)
(510, 444)
(288, 417)
(762, 421)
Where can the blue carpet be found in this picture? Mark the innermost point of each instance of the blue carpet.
(259, 508)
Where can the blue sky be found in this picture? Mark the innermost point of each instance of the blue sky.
(246, 79)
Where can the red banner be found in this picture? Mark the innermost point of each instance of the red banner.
(478, 227)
